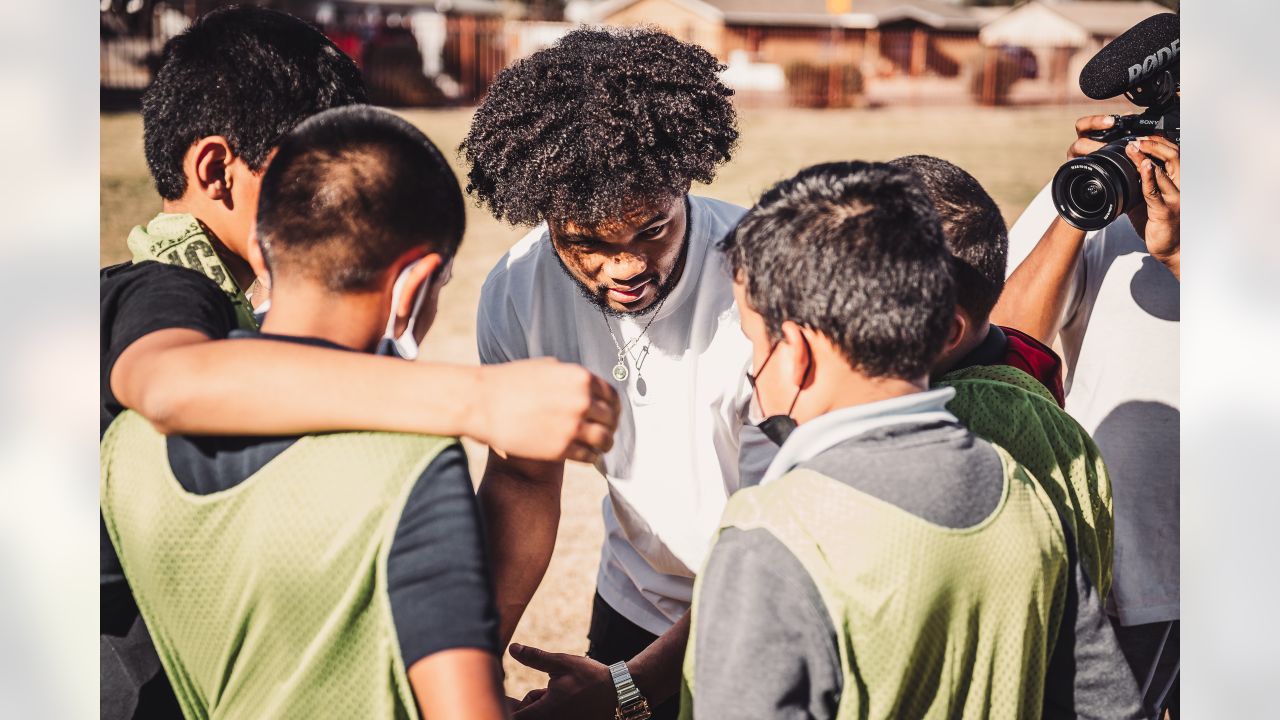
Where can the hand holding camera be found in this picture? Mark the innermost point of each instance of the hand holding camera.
(1130, 163)
(1158, 173)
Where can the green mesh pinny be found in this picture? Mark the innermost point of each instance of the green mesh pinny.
(269, 599)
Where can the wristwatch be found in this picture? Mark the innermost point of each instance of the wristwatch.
(631, 704)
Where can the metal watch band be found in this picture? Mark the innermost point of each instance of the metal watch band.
(631, 704)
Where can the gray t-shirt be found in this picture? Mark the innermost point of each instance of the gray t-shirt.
(1120, 345)
(788, 664)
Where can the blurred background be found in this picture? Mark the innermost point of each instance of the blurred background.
(990, 86)
(799, 53)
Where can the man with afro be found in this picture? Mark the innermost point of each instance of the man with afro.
(596, 141)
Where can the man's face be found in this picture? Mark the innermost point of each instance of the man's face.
(630, 265)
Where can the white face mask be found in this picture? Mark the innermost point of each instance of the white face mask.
(405, 346)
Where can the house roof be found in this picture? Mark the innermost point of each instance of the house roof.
(1066, 24)
(461, 7)
(864, 13)
(1107, 18)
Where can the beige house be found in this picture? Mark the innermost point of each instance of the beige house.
(1062, 36)
(827, 49)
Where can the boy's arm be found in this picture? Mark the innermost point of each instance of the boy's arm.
(441, 596)
(765, 646)
(183, 382)
(520, 505)
(459, 684)
(1087, 676)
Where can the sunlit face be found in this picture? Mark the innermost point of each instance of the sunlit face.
(627, 266)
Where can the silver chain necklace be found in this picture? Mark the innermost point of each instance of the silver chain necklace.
(620, 372)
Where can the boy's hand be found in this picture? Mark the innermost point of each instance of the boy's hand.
(543, 409)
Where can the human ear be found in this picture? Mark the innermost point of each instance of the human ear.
(211, 157)
(422, 273)
(959, 328)
(797, 354)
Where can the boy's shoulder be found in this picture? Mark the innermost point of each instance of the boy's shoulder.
(129, 272)
(940, 473)
(138, 298)
(997, 401)
(1001, 379)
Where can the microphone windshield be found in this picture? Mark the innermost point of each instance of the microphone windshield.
(1134, 56)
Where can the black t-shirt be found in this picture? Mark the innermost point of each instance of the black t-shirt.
(138, 299)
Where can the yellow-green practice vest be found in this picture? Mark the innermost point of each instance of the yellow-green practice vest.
(1011, 409)
(269, 599)
(180, 239)
(931, 622)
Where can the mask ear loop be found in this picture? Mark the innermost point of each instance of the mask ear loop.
(397, 289)
(809, 352)
(417, 302)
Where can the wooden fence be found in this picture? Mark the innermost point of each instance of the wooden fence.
(778, 66)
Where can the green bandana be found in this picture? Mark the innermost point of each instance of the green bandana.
(180, 239)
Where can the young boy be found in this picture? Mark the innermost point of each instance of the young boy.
(979, 241)
(228, 89)
(890, 564)
(335, 575)
(991, 369)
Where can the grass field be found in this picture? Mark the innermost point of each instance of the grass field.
(1013, 152)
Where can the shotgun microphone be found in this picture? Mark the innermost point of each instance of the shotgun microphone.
(1092, 191)
(1132, 58)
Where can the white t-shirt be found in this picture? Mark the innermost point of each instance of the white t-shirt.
(681, 448)
(1120, 342)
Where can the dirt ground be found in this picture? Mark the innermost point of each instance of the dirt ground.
(1013, 152)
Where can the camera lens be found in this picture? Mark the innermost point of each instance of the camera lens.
(1087, 193)
(1092, 191)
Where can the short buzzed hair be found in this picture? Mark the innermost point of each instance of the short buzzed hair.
(973, 227)
(351, 191)
(852, 250)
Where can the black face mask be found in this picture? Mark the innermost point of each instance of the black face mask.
(776, 427)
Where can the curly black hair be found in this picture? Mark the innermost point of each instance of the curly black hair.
(600, 122)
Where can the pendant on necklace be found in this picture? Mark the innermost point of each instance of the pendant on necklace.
(620, 371)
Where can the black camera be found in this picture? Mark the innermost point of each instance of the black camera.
(1092, 191)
